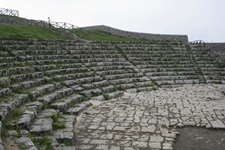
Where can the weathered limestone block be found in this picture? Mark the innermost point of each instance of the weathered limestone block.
(88, 86)
(93, 92)
(115, 94)
(11, 102)
(62, 106)
(78, 108)
(56, 95)
(45, 89)
(48, 112)
(77, 88)
(101, 83)
(42, 125)
(108, 89)
(45, 67)
(140, 84)
(25, 120)
(121, 81)
(66, 133)
(27, 142)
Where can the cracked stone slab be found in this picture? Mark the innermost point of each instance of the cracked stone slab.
(42, 125)
(148, 120)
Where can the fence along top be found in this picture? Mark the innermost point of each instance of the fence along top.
(10, 12)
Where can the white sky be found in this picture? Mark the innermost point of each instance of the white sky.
(199, 19)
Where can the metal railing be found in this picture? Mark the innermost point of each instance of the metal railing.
(9, 12)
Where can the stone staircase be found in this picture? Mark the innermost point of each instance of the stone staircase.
(166, 64)
(45, 84)
(211, 70)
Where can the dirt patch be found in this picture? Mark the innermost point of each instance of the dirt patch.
(194, 138)
(10, 144)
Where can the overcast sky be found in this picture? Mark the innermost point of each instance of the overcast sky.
(199, 19)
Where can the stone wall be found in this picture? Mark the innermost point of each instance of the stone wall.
(152, 37)
(21, 21)
(218, 48)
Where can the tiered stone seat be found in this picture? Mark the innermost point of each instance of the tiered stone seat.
(210, 68)
(113, 66)
(164, 63)
(34, 79)
(53, 80)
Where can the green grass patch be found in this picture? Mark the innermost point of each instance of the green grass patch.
(56, 123)
(106, 96)
(23, 31)
(43, 142)
(222, 57)
(99, 35)
(10, 122)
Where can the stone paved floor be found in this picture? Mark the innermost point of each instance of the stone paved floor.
(148, 120)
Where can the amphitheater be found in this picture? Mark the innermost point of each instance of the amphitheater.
(108, 95)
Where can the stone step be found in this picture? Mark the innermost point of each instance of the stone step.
(173, 63)
(26, 141)
(54, 61)
(64, 103)
(112, 72)
(25, 77)
(115, 94)
(49, 98)
(65, 71)
(170, 73)
(126, 86)
(5, 91)
(94, 52)
(41, 90)
(82, 81)
(108, 89)
(166, 69)
(121, 81)
(11, 102)
(73, 76)
(102, 83)
(139, 89)
(43, 123)
(172, 82)
(16, 70)
(190, 65)
(172, 77)
(94, 55)
(120, 76)
(102, 60)
(40, 52)
(31, 83)
(66, 134)
(96, 64)
(29, 114)
(214, 81)
(143, 84)
(106, 68)
(92, 92)
(77, 109)
(7, 59)
(43, 57)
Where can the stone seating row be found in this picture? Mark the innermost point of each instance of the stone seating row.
(61, 85)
